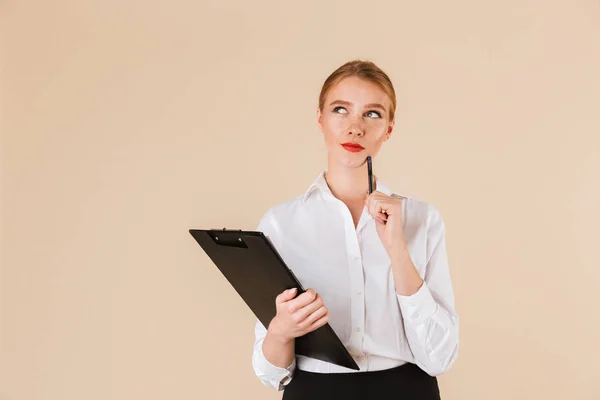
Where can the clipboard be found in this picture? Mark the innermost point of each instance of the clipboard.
(254, 268)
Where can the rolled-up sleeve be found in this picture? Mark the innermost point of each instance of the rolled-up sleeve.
(430, 320)
(269, 374)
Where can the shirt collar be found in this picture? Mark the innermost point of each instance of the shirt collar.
(321, 184)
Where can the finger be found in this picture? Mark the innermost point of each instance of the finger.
(320, 322)
(305, 298)
(380, 198)
(381, 218)
(374, 207)
(314, 316)
(382, 208)
(285, 296)
(371, 197)
(303, 313)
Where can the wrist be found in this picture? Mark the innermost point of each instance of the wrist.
(277, 334)
(400, 255)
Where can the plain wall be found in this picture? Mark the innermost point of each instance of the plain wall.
(126, 123)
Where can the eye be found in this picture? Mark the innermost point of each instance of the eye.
(373, 114)
(340, 110)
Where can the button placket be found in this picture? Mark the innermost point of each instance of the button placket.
(356, 269)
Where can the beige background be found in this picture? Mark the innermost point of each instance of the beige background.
(125, 123)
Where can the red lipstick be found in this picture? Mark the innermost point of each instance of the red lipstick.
(352, 147)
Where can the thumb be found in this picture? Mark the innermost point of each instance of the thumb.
(285, 296)
(290, 293)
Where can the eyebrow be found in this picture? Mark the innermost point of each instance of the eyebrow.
(347, 103)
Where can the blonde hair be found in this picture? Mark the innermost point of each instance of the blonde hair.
(366, 70)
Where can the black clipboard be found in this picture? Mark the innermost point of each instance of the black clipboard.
(252, 265)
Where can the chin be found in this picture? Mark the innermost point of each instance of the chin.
(352, 160)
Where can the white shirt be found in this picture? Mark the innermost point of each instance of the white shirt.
(351, 270)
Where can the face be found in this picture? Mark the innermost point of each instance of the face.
(354, 121)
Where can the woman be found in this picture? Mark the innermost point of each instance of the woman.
(376, 264)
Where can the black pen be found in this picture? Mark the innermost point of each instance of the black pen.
(370, 167)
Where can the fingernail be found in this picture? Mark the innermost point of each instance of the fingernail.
(291, 291)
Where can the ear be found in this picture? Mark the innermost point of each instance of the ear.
(319, 119)
(388, 134)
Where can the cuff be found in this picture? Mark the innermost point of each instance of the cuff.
(419, 307)
(273, 372)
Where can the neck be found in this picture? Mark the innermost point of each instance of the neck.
(348, 184)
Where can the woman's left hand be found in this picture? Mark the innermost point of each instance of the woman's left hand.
(387, 212)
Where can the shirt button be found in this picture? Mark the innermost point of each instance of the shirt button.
(359, 293)
(416, 315)
(357, 329)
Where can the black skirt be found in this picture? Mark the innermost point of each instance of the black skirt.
(406, 382)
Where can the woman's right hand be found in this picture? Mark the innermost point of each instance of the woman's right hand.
(298, 316)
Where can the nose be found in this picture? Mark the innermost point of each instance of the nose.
(355, 128)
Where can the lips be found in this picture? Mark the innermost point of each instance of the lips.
(352, 147)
